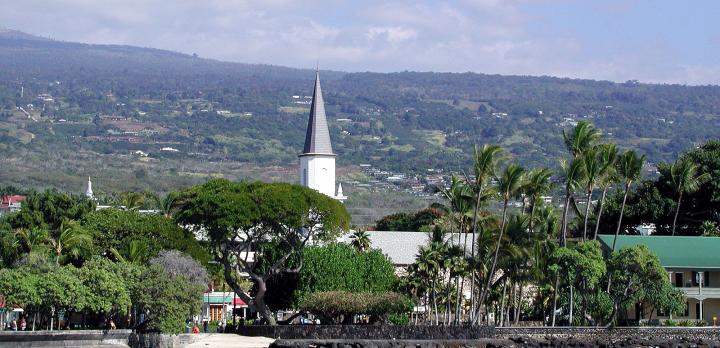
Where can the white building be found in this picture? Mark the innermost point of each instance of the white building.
(317, 162)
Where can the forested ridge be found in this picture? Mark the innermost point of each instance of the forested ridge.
(101, 103)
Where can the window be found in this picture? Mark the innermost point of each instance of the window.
(679, 280)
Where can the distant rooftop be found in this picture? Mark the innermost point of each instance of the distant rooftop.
(675, 252)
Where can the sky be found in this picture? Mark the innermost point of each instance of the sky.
(651, 41)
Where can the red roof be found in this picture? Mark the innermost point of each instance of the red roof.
(7, 199)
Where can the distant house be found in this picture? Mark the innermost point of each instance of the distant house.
(693, 266)
(11, 203)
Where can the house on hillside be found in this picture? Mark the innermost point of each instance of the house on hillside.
(693, 266)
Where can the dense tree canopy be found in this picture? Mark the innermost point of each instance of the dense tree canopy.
(273, 221)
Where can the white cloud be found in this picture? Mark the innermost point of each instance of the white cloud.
(491, 36)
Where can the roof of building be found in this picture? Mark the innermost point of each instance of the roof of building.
(317, 137)
(400, 246)
(675, 252)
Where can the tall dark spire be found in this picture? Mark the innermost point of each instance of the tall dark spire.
(317, 137)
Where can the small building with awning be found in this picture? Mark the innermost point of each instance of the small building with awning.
(693, 266)
(218, 306)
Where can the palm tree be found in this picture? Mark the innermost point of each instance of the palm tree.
(71, 239)
(484, 167)
(608, 175)
(136, 252)
(683, 177)
(166, 205)
(508, 184)
(629, 169)
(31, 239)
(132, 200)
(360, 240)
(582, 138)
(428, 262)
(573, 172)
(592, 167)
(538, 184)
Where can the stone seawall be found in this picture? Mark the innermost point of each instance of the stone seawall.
(74, 338)
(94, 338)
(368, 332)
(448, 337)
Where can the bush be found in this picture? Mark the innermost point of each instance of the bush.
(670, 322)
(330, 306)
(399, 318)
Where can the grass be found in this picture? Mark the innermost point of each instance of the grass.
(294, 109)
(434, 137)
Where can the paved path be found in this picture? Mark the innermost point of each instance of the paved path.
(231, 341)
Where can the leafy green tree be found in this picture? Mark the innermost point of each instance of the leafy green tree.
(339, 267)
(638, 276)
(115, 229)
(47, 210)
(169, 300)
(63, 291)
(107, 291)
(240, 219)
(580, 267)
(684, 178)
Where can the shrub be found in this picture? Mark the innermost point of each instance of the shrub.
(399, 318)
(670, 322)
(331, 306)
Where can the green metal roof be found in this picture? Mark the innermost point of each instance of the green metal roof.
(675, 252)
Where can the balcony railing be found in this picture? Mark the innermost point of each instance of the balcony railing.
(697, 293)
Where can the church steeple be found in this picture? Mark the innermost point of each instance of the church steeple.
(317, 161)
(317, 136)
(89, 191)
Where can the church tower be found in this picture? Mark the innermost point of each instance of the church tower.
(89, 190)
(317, 162)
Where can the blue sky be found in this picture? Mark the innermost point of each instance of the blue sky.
(651, 41)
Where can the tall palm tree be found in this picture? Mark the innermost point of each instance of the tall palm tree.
(592, 167)
(581, 139)
(538, 184)
(428, 262)
(684, 178)
(485, 162)
(31, 239)
(136, 252)
(508, 184)
(360, 240)
(629, 169)
(166, 204)
(608, 176)
(573, 172)
(70, 239)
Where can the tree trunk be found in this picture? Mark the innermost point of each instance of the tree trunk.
(262, 308)
(555, 298)
(572, 302)
(472, 255)
(622, 211)
(502, 304)
(587, 213)
(600, 209)
(677, 212)
(532, 215)
(518, 308)
(486, 288)
(564, 219)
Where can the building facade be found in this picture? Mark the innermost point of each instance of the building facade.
(693, 266)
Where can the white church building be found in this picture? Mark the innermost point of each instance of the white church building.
(317, 161)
